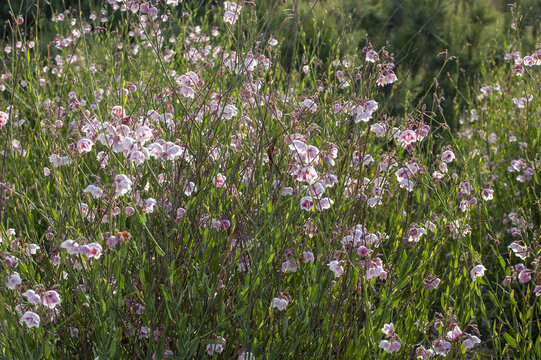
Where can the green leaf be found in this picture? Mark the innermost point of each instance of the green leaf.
(512, 342)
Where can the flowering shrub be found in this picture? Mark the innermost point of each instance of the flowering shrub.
(168, 192)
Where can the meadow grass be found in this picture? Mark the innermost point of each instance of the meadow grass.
(170, 189)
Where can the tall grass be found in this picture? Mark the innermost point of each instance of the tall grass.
(172, 189)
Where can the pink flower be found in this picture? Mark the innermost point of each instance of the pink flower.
(471, 341)
(307, 174)
(229, 112)
(388, 329)
(148, 206)
(3, 119)
(51, 299)
(32, 297)
(325, 203)
(13, 281)
(310, 105)
(454, 335)
(180, 213)
(519, 250)
(71, 246)
(219, 180)
(307, 257)
(118, 112)
(280, 303)
(94, 250)
(31, 319)
(375, 269)
(448, 156)
(290, 265)
(431, 283)
(216, 347)
(525, 276)
(122, 185)
(307, 203)
(84, 145)
(230, 17)
(362, 251)
(487, 194)
(95, 191)
(336, 267)
(415, 234)
(390, 346)
(441, 347)
(477, 271)
(423, 353)
(372, 56)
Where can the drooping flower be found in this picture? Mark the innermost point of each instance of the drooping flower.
(118, 112)
(95, 191)
(307, 257)
(448, 156)
(32, 297)
(13, 281)
(71, 246)
(290, 265)
(216, 347)
(471, 341)
(336, 267)
(31, 319)
(307, 203)
(122, 185)
(84, 145)
(423, 353)
(390, 346)
(477, 271)
(454, 334)
(51, 299)
(280, 303)
(388, 329)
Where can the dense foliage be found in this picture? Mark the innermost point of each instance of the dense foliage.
(187, 180)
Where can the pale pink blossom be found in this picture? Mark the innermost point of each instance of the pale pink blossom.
(31, 319)
(32, 297)
(290, 265)
(13, 281)
(122, 185)
(477, 271)
(307, 257)
(454, 334)
(95, 191)
(471, 341)
(148, 205)
(388, 329)
(280, 303)
(336, 267)
(51, 299)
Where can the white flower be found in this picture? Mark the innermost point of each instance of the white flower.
(280, 303)
(95, 191)
(477, 271)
